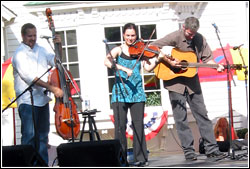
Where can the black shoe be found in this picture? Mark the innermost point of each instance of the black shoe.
(216, 154)
(191, 157)
(140, 164)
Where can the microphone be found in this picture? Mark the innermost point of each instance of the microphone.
(237, 47)
(45, 37)
(216, 27)
(104, 41)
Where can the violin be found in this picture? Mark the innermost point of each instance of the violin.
(66, 117)
(139, 47)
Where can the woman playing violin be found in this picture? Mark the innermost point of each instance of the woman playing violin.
(128, 93)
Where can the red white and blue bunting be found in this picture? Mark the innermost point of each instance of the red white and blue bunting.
(154, 119)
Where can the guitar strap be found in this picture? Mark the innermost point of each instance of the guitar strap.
(195, 48)
(192, 45)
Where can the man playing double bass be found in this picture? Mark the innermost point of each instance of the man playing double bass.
(30, 61)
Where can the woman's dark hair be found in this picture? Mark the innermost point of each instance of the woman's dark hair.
(25, 27)
(129, 26)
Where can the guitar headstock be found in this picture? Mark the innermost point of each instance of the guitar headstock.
(236, 66)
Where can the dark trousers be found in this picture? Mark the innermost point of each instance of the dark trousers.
(27, 128)
(137, 116)
(198, 109)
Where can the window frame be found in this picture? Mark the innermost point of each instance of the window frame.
(67, 64)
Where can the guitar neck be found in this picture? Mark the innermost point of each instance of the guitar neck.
(233, 66)
(186, 64)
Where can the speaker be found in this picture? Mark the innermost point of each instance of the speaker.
(91, 153)
(21, 156)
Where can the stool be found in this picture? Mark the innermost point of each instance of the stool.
(90, 114)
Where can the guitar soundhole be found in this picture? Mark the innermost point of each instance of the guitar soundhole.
(181, 70)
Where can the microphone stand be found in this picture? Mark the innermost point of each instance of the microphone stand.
(26, 89)
(245, 73)
(230, 113)
(114, 67)
(29, 88)
(70, 80)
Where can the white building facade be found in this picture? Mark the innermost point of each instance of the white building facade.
(84, 25)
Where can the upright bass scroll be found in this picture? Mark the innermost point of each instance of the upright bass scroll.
(66, 117)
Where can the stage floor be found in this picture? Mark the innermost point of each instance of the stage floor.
(177, 159)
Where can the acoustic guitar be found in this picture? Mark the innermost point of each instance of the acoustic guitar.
(188, 61)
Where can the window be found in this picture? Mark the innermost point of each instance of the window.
(150, 82)
(180, 24)
(70, 59)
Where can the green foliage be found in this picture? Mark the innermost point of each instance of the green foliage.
(153, 99)
(241, 133)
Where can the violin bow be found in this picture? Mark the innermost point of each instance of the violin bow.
(142, 51)
(115, 67)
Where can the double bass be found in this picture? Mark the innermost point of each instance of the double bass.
(66, 117)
